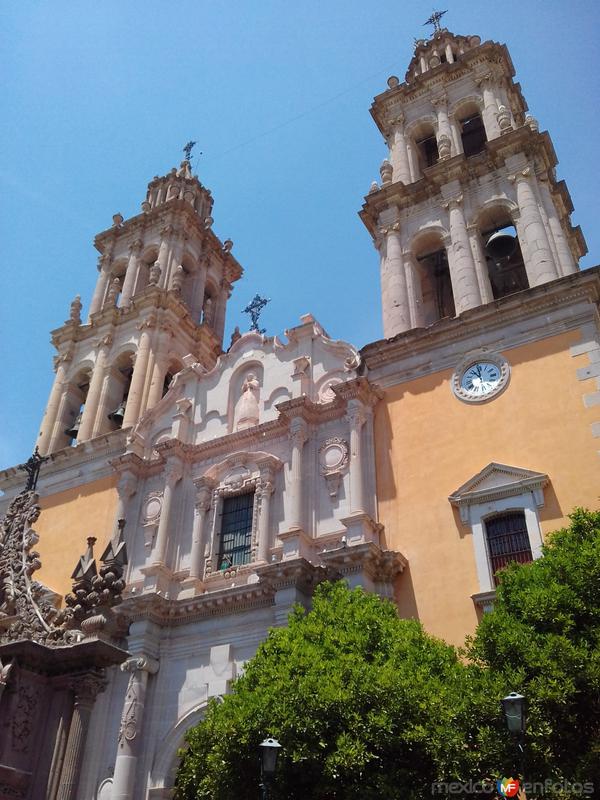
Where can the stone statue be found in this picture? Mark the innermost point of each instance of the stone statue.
(247, 407)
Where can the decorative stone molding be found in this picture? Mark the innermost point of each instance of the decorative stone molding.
(333, 459)
(151, 512)
(128, 728)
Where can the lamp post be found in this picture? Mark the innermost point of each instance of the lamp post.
(269, 751)
(513, 706)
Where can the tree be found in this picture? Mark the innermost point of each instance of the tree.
(366, 705)
(543, 639)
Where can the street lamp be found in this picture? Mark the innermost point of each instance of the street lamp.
(513, 706)
(269, 751)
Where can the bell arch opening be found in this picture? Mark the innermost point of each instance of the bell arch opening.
(503, 255)
(436, 296)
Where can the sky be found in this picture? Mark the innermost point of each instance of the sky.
(97, 98)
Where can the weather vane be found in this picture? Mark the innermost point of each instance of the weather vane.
(434, 20)
(32, 468)
(188, 150)
(254, 309)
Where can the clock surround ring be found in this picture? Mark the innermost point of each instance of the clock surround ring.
(469, 360)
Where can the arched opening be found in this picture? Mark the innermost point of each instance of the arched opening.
(426, 147)
(437, 299)
(504, 259)
(174, 367)
(472, 130)
(209, 306)
(143, 275)
(77, 393)
(118, 391)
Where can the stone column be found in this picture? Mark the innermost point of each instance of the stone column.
(539, 263)
(221, 308)
(298, 436)
(173, 473)
(86, 688)
(481, 268)
(126, 488)
(130, 747)
(203, 497)
(460, 259)
(264, 527)
(413, 162)
(164, 255)
(136, 390)
(356, 419)
(398, 151)
(131, 273)
(50, 416)
(159, 370)
(489, 111)
(394, 293)
(565, 261)
(90, 408)
(101, 284)
(444, 132)
(413, 288)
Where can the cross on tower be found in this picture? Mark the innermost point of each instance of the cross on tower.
(254, 309)
(32, 467)
(188, 150)
(434, 20)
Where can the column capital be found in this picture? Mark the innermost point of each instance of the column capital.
(88, 686)
(356, 415)
(520, 175)
(203, 497)
(127, 484)
(173, 471)
(439, 100)
(298, 433)
(135, 247)
(104, 262)
(105, 342)
(140, 663)
(453, 202)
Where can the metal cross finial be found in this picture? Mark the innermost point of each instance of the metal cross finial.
(188, 150)
(434, 20)
(32, 468)
(254, 309)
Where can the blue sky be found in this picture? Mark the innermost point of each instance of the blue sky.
(97, 98)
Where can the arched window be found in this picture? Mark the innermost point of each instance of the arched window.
(76, 397)
(507, 541)
(472, 131)
(427, 149)
(120, 381)
(502, 251)
(436, 294)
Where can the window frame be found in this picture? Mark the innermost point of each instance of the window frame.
(220, 552)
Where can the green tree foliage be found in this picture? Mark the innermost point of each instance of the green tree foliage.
(543, 637)
(366, 705)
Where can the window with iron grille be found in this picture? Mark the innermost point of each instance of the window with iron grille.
(507, 540)
(235, 541)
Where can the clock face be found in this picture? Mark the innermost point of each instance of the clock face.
(480, 379)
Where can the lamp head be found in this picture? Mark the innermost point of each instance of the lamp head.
(513, 706)
(269, 751)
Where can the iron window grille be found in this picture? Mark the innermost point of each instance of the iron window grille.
(235, 540)
(508, 541)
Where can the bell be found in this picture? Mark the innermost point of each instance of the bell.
(118, 414)
(501, 245)
(74, 429)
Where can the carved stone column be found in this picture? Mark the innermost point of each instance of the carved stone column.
(413, 289)
(54, 402)
(159, 369)
(126, 488)
(565, 261)
(481, 269)
(86, 689)
(398, 150)
(444, 131)
(140, 369)
(264, 527)
(539, 261)
(164, 251)
(90, 408)
(356, 419)
(394, 293)
(173, 473)
(101, 284)
(203, 497)
(298, 436)
(465, 287)
(130, 739)
(219, 319)
(489, 111)
(131, 273)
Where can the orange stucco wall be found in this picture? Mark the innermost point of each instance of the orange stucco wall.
(67, 519)
(429, 443)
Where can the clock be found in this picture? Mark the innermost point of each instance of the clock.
(480, 376)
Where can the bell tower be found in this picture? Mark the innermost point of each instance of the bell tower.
(469, 208)
(161, 295)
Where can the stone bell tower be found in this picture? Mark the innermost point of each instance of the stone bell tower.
(469, 209)
(161, 296)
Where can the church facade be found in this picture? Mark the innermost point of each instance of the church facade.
(416, 467)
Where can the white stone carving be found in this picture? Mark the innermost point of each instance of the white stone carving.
(333, 458)
(151, 516)
(247, 413)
